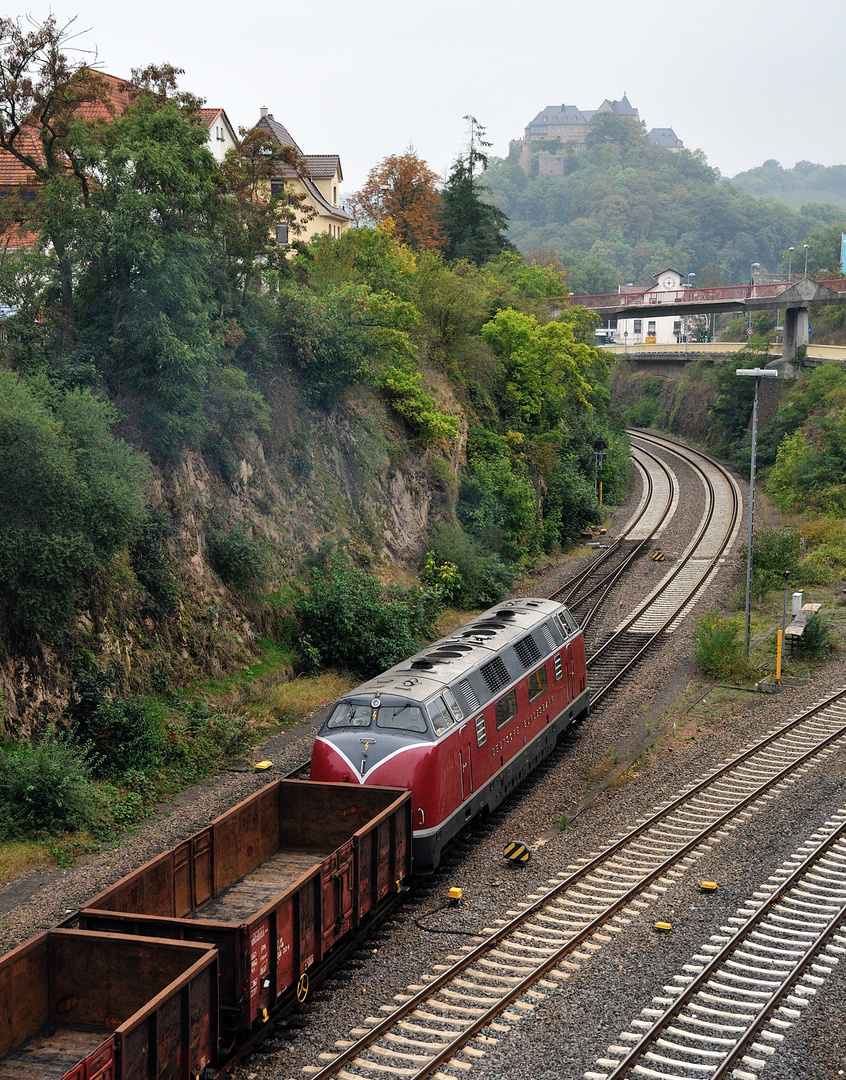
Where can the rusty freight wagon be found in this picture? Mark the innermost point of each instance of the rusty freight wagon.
(275, 884)
(80, 1006)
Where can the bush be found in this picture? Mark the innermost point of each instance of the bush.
(153, 564)
(774, 552)
(72, 496)
(124, 735)
(237, 557)
(349, 621)
(483, 578)
(719, 648)
(46, 787)
(417, 408)
(497, 504)
(817, 638)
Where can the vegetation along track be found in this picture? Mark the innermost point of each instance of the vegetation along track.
(460, 1012)
(662, 611)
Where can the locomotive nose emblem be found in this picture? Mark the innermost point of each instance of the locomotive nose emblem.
(365, 746)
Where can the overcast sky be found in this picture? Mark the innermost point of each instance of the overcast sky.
(743, 80)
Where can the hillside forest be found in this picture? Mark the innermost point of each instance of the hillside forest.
(623, 210)
(220, 454)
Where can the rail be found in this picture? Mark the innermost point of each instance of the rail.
(679, 589)
(478, 988)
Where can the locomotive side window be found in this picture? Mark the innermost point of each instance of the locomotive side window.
(346, 714)
(453, 705)
(506, 708)
(537, 682)
(440, 715)
(401, 718)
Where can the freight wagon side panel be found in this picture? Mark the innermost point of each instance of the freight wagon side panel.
(88, 993)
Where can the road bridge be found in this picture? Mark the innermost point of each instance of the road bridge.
(686, 351)
(796, 298)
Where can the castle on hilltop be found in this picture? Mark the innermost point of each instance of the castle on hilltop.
(569, 126)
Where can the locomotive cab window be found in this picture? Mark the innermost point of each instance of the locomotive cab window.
(506, 708)
(401, 718)
(453, 705)
(440, 715)
(347, 714)
(537, 683)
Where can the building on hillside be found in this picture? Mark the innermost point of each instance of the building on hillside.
(618, 108)
(222, 136)
(661, 330)
(320, 184)
(569, 126)
(667, 138)
(564, 124)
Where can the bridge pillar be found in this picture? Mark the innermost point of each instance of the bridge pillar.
(795, 331)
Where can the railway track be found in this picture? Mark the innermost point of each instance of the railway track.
(681, 588)
(454, 1016)
(747, 987)
(585, 593)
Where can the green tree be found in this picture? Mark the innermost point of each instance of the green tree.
(475, 227)
(72, 495)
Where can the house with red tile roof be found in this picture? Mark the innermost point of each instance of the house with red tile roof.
(320, 183)
(113, 99)
(222, 136)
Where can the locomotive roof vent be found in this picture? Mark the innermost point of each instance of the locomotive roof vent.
(492, 623)
(423, 663)
(450, 653)
(506, 614)
(480, 634)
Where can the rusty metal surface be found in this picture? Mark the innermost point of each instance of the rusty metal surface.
(69, 999)
(275, 883)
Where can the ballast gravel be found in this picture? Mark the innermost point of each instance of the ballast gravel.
(571, 1027)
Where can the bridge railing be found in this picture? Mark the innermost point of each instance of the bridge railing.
(685, 295)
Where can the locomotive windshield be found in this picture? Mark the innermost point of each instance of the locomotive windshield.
(402, 717)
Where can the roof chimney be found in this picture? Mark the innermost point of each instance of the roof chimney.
(263, 111)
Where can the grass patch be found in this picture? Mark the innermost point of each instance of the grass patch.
(19, 855)
(285, 704)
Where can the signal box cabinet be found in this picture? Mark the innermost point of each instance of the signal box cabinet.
(80, 1006)
(274, 884)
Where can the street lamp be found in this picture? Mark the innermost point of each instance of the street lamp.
(789, 263)
(689, 276)
(625, 343)
(757, 374)
(806, 246)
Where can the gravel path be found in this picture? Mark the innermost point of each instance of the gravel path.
(576, 1024)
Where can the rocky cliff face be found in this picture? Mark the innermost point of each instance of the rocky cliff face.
(350, 479)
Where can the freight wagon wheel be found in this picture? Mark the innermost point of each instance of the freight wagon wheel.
(302, 988)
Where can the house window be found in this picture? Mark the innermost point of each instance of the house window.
(651, 328)
(637, 326)
(335, 194)
(281, 234)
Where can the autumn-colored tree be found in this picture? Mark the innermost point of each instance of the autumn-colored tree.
(403, 188)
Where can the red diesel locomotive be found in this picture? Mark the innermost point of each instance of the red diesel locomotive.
(462, 722)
